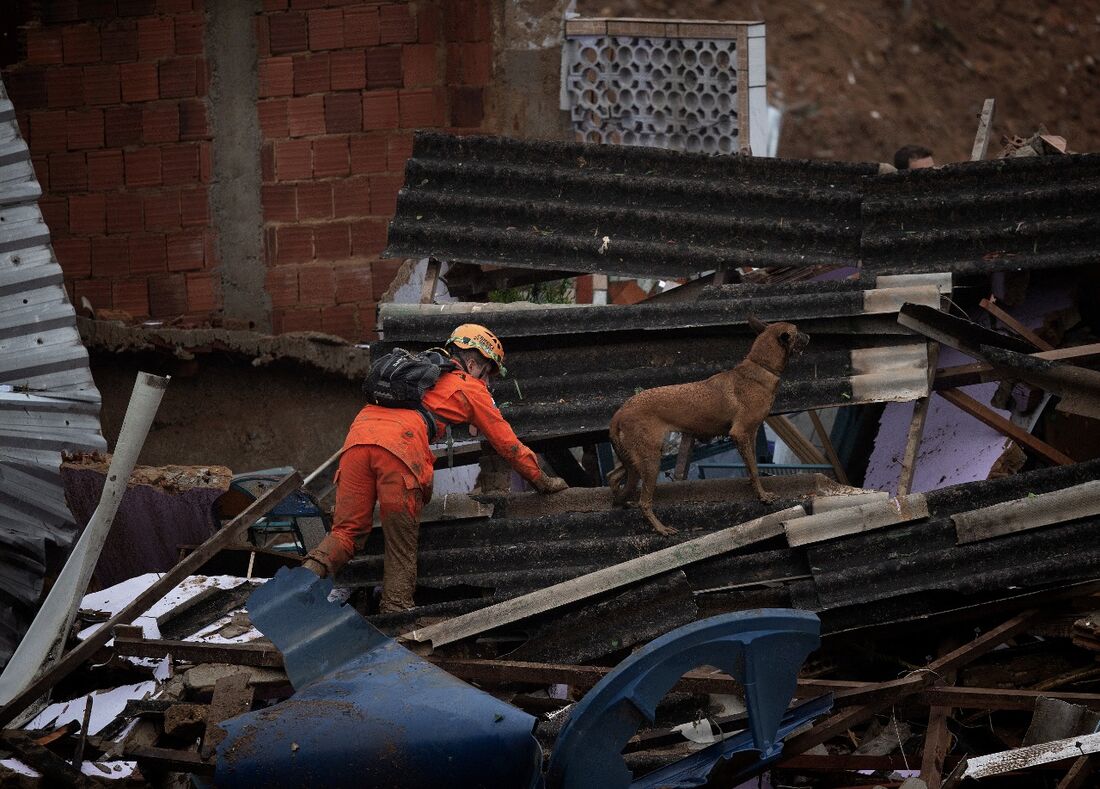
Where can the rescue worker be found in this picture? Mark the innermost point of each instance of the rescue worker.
(387, 459)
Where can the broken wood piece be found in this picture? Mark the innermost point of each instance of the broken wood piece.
(1078, 774)
(259, 654)
(232, 697)
(1031, 756)
(790, 435)
(1044, 509)
(990, 306)
(830, 450)
(985, 128)
(981, 372)
(912, 445)
(431, 279)
(990, 417)
(55, 770)
(78, 756)
(169, 759)
(608, 578)
(225, 536)
(853, 520)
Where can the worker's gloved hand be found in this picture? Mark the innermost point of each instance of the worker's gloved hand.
(548, 484)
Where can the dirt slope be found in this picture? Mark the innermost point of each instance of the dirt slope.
(860, 78)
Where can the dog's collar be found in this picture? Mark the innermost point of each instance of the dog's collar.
(765, 367)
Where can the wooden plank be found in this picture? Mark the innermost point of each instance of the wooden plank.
(55, 770)
(683, 457)
(853, 520)
(608, 578)
(1079, 774)
(793, 438)
(1001, 699)
(977, 372)
(985, 127)
(990, 306)
(1003, 426)
(169, 759)
(916, 427)
(228, 534)
(1009, 517)
(232, 697)
(830, 450)
(260, 655)
(937, 738)
(431, 280)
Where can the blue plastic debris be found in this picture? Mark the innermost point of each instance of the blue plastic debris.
(763, 649)
(367, 711)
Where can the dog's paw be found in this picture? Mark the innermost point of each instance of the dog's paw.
(666, 531)
(769, 498)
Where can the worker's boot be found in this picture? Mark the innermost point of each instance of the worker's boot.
(327, 558)
(400, 533)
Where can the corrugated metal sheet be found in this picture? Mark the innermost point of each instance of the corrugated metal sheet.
(973, 217)
(621, 210)
(569, 370)
(48, 401)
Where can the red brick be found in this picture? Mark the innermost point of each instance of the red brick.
(273, 120)
(267, 161)
(368, 154)
(314, 200)
(167, 296)
(179, 78)
(429, 23)
(396, 25)
(133, 8)
(384, 67)
(383, 193)
(180, 164)
(81, 44)
(420, 64)
(122, 126)
(343, 113)
(193, 120)
(124, 212)
(261, 28)
(368, 238)
(28, 88)
(162, 210)
(195, 207)
(156, 38)
(351, 197)
(75, 256)
(119, 41)
(64, 87)
(305, 115)
(341, 320)
(147, 254)
(276, 76)
(160, 122)
(96, 291)
(185, 251)
(293, 160)
(467, 20)
(44, 46)
(326, 29)
(311, 74)
(398, 151)
(178, 6)
(68, 172)
(469, 64)
(143, 167)
(87, 214)
(361, 26)
(189, 31)
(110, 256)
(281, 284)
(294, 244)
(275, 5)
(85, 129)
(316, 285)
(421, 107)
(132, 296)
(55, 213)
(139, 81)
(102, 85)
(348, 70)
(104, 170)
(279, 202)
(380, 110)
(206, 162)
(353, 284)
(332, 241)
(210, 248)
(47, 131)
(467, 107)
(287, 32)
(292, 320)
(202, 293)
(330, 157)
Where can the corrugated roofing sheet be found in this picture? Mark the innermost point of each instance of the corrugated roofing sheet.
(48, 401)
(621, 210)
(973, 217)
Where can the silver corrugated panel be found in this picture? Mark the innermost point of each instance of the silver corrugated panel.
(48, 401)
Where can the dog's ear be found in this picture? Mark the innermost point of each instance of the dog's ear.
(757, 325)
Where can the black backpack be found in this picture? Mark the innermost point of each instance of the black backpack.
(399, 379)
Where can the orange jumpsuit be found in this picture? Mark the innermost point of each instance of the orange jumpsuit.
(387, 458)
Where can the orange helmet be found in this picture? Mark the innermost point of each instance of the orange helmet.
(473, 335)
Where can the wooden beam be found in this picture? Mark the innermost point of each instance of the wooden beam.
(985, 128)
(977, 372)
(830, 450)
(990, 306)
(232, 697)
(683, 456)
(916, 428)
(260, 655)
(1078, 774)
(225, 536)
(793, 438)
(431, 280)
(937, 739)
(169, 759)
(1000, 424)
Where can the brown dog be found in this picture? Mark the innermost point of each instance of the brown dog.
(733, 402)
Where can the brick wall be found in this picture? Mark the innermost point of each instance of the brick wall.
(112, 97)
